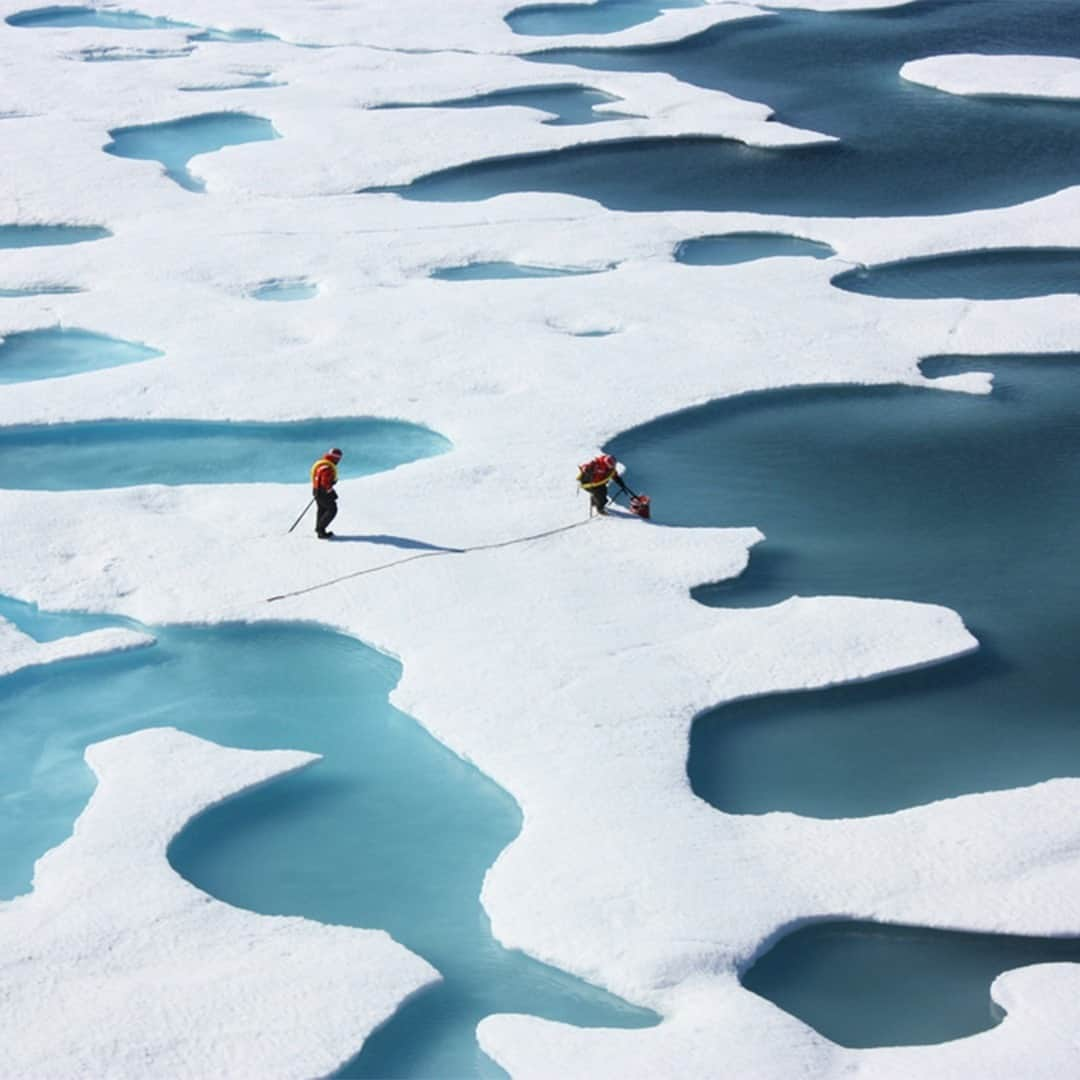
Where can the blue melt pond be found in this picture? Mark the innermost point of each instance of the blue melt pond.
(39, 290)
(1001, 274)
(864, 984)
(47, 354)
(27, 236)
(286, 290)
(109, 454)
(732, 248)
(175, 142)
(70, 16)
(431, 823)
(605, 17)
(85, 16)
(496, 271)
(902, 492)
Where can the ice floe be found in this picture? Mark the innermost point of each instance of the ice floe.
(1012, 76)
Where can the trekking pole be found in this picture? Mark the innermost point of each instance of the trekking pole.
(302, 513)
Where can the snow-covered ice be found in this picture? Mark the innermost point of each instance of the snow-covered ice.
(1016, 76)
(647, 890)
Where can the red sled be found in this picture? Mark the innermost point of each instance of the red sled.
(640, 505)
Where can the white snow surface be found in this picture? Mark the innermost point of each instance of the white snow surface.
(1016, 76)
(620, 874)
(19, 650)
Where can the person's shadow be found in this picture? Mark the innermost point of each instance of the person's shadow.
(393, 541)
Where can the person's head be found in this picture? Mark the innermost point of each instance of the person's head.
(334, 455)
(607, 461)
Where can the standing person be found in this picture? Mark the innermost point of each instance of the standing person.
(323, 479)
(594, 477)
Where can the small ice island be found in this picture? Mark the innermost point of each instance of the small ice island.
(1017, 76)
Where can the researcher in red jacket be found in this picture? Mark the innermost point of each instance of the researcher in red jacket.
(323, 479)
(594, 477)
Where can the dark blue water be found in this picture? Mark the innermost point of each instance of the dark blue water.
(1001, 274)
(567, 104)
(904, 149)
(731, 248)
(47, 354)
(123, 453)
(603, 17)
(498, 271)
(25, 236)
(176, 142)
(962, 500)
(390, 830)
(865, 984)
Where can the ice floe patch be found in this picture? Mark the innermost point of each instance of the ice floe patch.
(26, 236)
(43, 288)
(507, 271)
(102, 18)
(19, 651)
(252, 79)
(984, 75)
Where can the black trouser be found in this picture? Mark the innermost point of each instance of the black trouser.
(326, 501)
(599, 497)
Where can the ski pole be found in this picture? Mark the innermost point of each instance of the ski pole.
(302, 513)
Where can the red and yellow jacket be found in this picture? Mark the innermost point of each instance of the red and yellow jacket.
(596, 473)
(323, 475)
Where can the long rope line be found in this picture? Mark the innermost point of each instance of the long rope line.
(426, 555)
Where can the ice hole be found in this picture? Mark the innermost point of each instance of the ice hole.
(124, 453)
(865, 984)
(45, 354)
(731, 248)
(175, 142)
(1000, 274)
